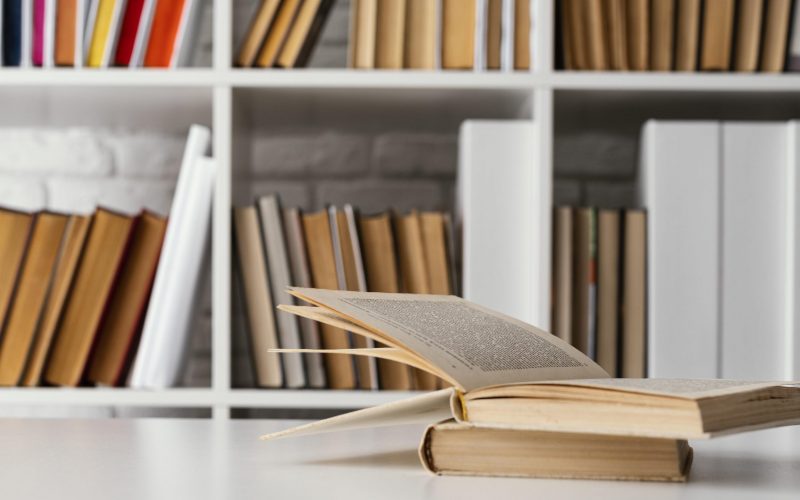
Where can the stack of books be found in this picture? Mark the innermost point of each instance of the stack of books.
(598, 285)
(680, 35)
(337, 249)
(525, 403)
(99, 33)
(75, 290)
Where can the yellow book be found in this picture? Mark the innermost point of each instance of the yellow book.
(102, 28)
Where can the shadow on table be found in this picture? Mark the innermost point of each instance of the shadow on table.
(406, 459)
(775, 474)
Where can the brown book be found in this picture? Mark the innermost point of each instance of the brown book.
(69, 257)
(434, 244)
(257, 297)
(562, 273)
(389, 34)
(30, 296)
(576, 29)
(102, 259)
(776, 34)
(567, 33)
(66, 16)
(303, 35)
(582, 279)
(363, 25)
(256, 33)
(662, 35)
(276, 36)
(687, 35)
(339, 368)
(748, 35)
(494, 33)
(608, 272)
(458, 34)
(15, 229)
(420, 35)
(122, 324)
(522, 35)
(597, 51)
(634, 290)
(458, 449)
(717, 35)
(617, 36)
(639, 34)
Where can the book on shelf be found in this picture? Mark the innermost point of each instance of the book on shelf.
(304, 33)
(15, 230)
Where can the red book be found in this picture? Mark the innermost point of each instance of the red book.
(166, 22)
(127, 33)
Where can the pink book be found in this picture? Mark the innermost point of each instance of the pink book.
(38, 33)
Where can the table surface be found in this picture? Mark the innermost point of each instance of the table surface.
(161, 458)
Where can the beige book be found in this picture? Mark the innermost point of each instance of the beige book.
(578, 40)
(256, 33)
(608, 272)
(687, 35)
(582, 278)
(776, 32)
(276, 36)
(717, 35)
(748, 35)
(390, 34)
(562, 273)
(363, 30)
(522, 377)
(634, 291)
(494, 33)
(302, 36)
(617, 35)
(15, 229)
(522, 35)
(434, 245)
(457, 449)
(420, 34)
(597, 50)
(662, 35)
(639, 34)
(458, 34)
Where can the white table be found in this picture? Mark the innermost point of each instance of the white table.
(197, 459)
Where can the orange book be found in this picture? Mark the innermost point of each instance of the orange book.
(166, 21)
(65, 32)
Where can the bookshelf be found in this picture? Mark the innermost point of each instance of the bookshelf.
(222, 96)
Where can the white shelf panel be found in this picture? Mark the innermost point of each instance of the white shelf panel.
(120, 77)
(732, 82)
(325, 399)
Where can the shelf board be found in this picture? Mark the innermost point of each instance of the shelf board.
(119, 77)
(319, 399)
(671, 81)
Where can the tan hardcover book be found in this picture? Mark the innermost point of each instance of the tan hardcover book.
(687, 35)
(494, 33)
(15, 230)
(608, 273)
(717, 35)
(458, 34)
(522, 35)
(662, 35)
(276, 36)
(562, 273)
(420, 35)
(456, 449)
(617, 35)
(106, 246)
(434, 244)
(69, 257)
(597, 50)
(582, 278)
(123, 321)
(339, 368)
(66, 17)
(380, 266)
(256, 33)
(776, 33)
(29, 299)
(634, 291)
(390, 34)
(578, 39)
(567, 33)
(257, 297)
(303, 34)
(748, 35)
(639, 34)
(363, 30)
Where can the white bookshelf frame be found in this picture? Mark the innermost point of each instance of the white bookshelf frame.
(223, 80)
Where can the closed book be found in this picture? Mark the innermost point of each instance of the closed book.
(434, 243)
(66, 32)
(634, 290)
(123, 320)
(31, 292)
(279, 272)
(363, 32)
(494, 33)
(257, 297)
(302, 38)
(715, 54)
(639, 34)
(103, 41)
(522, 35)
(276, 36)
(562, 273)
(131, 21)
(776, 34)
(596, 41)
(340, 371)
(15, 230)
(748, 35)
(570, 51)
(617, 34)
(662, 35)
(793, 57)
(687, 35)
(421, 30)
(186, 38)
(390, 34)
(381, 270)
(106, 246)
(608, 286)
(163, 32)
(458, 449)
(256, 33)
(458, 34)
(140, 43)
(583, 280)
(37, 49)
(12, 32)
(69, 257)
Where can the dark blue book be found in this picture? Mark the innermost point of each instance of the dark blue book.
(12, 32)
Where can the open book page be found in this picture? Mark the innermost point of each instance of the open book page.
(473, 345)
(423, 409)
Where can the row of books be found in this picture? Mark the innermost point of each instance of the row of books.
(99, 33)
(105, 298)
(333, 249)
(680, 35)
(599, 285)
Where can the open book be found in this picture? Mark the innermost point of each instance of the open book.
(508, 374)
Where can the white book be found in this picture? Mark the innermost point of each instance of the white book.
(498, 186)
(88, 31)
(113, 33)
(507, 37)
(143, 34)
(81, 22)
(680, 189)
(792, 295)
(481, 38)
(280, 280)
(186, 38)
(165, 334)
(26, 32)
(49, 38)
